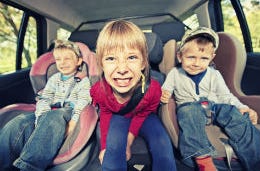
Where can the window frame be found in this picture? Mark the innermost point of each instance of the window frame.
(243, 24)
(216, 16)
(41, 30)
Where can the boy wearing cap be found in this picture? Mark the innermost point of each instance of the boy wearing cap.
(202, 98)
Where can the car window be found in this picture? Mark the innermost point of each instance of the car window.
(29, 54)
(63, 34)
(252, 13)
(192, 21)
(10, 23)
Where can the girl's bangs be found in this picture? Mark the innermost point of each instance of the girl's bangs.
(120, 41)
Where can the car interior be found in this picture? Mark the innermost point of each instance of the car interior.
(163, 22)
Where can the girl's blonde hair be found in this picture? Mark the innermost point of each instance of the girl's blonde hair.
(118, 35)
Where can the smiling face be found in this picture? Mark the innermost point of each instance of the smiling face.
(67, 61)
(122, 56)
(123, 69)
(195, 57)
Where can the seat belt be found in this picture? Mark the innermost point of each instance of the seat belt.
(135, 99)
(67, 94)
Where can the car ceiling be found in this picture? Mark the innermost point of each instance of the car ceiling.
(72, 13)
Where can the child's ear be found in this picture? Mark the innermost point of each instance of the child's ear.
(80, 60)
(179, 57)
(143, 65)
(213, 56)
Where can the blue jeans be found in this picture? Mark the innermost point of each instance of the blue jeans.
(31, 148)
(243, 136)
(153, 132)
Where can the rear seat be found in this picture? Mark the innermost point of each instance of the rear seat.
(155, 52)
(140, 153)
(170, 33)
(88, 37)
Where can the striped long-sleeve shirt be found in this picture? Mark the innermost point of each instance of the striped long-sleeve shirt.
(56, 91)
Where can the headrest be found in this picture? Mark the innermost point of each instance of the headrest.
(41, 70)
(89, 58)
(170, 30)
(89, 37)
(42, 64)
(155, 47)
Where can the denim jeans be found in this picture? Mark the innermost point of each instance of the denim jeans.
(243, 136)
(154, 134)
(33, 148)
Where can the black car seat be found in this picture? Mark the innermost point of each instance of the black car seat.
(170, 33)
(72, 156)
(88, 37)
(141, 159)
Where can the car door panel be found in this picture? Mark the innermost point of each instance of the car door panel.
(16, 88)
(251, 80)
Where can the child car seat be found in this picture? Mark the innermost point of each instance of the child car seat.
(71, 155)
(230, 61)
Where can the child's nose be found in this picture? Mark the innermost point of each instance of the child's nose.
(62, 60)
(196, 62)
(122, 67)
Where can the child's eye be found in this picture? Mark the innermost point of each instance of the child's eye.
(191, 57)
(205, 58)
(132, 57)
(109, 58)
(67, 59)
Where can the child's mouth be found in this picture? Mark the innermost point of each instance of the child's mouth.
(122, 82)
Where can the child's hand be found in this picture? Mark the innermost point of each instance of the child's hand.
(128, 152)
(166, 95)
(252, 114)
(101, 155)
(70, 127)
(130, 140)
